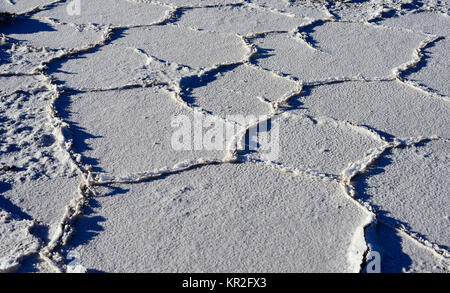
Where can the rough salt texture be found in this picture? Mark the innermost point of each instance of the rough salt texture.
(99, 173)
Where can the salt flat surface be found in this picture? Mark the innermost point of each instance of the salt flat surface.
(209, 220)
(352, 95)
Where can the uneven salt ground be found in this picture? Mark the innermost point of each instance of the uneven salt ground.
(35, 184)
(318, 143)
(341, 50)
(34, 265)
(27, 142)
(93, 70)
(45, 34)
(128, 131)
(31, 43)
(307, 9)
(191, 3)
(243, 89)
(16, 241)
(240, 20)
(232, 217)
(389, 107)
(428, 22)
(105, 12)
(409, 186)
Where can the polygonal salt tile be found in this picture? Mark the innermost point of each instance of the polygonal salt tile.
(343, 50)
(108, 67)
(135, 130)
(391, 108)
(220, 218)
(185, 46)
(433, 72)
(240, 20)
(426, 21)
(319, 144)
(409, 187)
(16, 241)
(236, 90)
(106, 12)
(43, 34)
